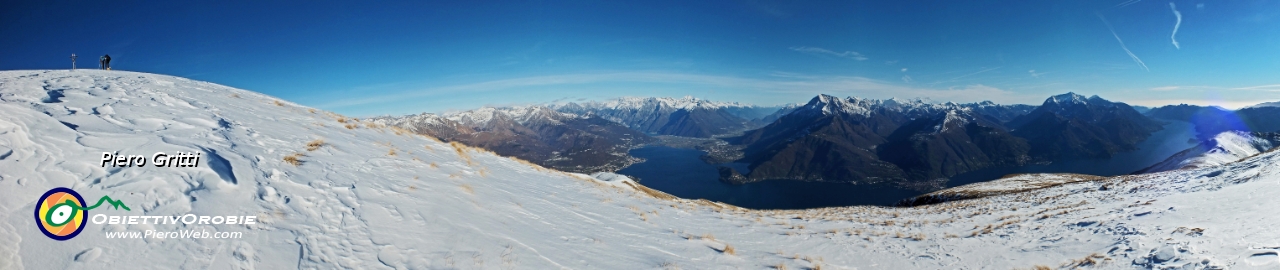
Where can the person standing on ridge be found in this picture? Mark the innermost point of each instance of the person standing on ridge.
(106, 61)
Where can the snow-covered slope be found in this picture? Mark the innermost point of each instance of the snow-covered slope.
(376, 197)
(1226, 147)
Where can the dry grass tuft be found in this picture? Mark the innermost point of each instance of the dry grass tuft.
(461, 149)
(312, 111)
(780, 266)
(467, 188)
(351, 126)
(235, 95)
(316, 144)
(292, 159)
(918, 237)
(278, 103)
(391, 152)
(729, 250)
(1091, 260)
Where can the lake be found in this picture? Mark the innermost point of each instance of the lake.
(680, 172)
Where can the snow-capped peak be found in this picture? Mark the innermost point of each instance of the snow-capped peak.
(1068, 99)
(632, 103)
(829, 105)
(520, 114)
(953, 117)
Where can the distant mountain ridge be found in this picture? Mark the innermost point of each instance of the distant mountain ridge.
(538, 134)
(687, 116)
(1070, 126)
(1226, 147)
(840, 139)
(919, 144)
(1212, 120)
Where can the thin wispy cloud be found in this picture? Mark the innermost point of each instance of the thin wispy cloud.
(975, 73)
(1174, 36)
(1122, 46)
(1126, 3)
(820, 51)
(906, 78)
(1035, 74)
(1267, 87)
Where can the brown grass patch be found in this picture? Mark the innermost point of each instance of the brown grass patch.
(467, 188)
(316, 144)
(293, 159)
(278, 103)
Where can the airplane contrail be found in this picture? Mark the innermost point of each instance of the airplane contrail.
(1174, 36)
(1126, 3)
(1122, 46)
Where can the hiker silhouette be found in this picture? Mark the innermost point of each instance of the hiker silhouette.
(105, 61)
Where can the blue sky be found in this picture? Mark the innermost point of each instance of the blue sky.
(406, 57)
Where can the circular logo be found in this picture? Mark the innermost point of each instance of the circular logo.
(60, 214)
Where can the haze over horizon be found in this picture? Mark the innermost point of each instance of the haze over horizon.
(409, 57)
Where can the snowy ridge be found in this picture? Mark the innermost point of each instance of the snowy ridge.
(1226, 147)
(483, 117)
(423, 123)
(373, 197)
(863, 107)
(1070, 98)
(624, 103)
(1264, 105)
(953, 117)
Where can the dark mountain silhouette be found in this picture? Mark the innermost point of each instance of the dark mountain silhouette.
(910, 143)
(1070, 126)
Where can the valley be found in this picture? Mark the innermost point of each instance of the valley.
(829, 152)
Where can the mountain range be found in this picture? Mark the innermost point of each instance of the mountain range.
(686, 117)
(563, 141)
(920, 144)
